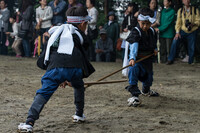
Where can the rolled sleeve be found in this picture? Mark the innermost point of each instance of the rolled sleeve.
(133, 51)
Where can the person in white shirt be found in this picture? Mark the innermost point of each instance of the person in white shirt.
(44, 14)
(92, 31)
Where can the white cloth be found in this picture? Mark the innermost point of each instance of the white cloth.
(125, 61)
(109, 22)
(123, 44)
(66, 43)
(144, 18)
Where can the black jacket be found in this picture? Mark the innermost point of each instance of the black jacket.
(78, 58)
(133, 22)
(147, 44)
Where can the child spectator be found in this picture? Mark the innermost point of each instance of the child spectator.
(142, 42)
(66, 63)
(16, 46)
(104, 47)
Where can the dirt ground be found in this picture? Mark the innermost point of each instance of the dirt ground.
(177, 110)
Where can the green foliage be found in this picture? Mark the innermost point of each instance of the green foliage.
(101, 19)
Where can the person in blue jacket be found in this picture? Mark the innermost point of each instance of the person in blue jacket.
(59, 8)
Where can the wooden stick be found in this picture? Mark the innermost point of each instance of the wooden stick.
(105, 82)
(124, 67)
(121, 69)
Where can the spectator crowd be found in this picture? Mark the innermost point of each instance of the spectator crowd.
(176, 31)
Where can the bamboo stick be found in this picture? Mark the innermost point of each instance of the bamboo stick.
(124, 67)
(121, 69)
(105, 82)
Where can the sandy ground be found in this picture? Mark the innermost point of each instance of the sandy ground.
(177, 110)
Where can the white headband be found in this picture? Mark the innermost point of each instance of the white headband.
(78, 19)
(145, 18)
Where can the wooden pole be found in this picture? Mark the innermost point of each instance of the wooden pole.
(105, 82)
(106, 7)
(39, 45)
(121, 69)
(124, 67)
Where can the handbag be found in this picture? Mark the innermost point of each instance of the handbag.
(93, 34)
(119, 43)
(7, 43)
(124, 35)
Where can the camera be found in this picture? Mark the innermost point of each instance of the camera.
(187, 24)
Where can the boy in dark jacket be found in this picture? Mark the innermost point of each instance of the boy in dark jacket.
(142, 42)
(66, 62)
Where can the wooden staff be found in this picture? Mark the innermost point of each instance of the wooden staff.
(121, 69)
(105, 82)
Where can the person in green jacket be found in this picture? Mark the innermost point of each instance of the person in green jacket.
(166, 30)
(113, 30)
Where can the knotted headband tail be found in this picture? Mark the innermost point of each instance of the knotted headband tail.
(66, 43)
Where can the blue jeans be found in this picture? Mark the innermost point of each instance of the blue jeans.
(26, 47)
(191, 39)
(50, 82)
(138, 72)
(41, 32)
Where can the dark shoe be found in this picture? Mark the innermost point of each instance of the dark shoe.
(151, 93)
(169, 62)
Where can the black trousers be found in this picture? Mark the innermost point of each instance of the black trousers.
(3, 47)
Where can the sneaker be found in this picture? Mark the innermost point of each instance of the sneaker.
(151, 93)
(78, 119)
(25, 128)
(185, 59)
(133, 101)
